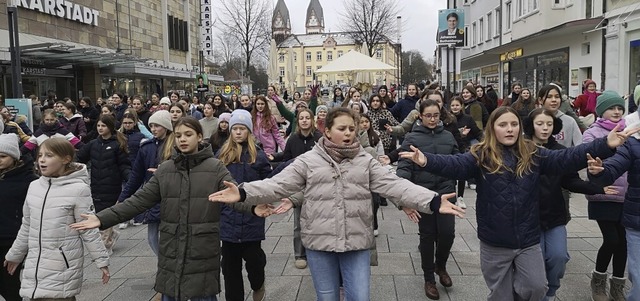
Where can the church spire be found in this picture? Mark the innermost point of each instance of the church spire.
(315, 17)
(280, 23)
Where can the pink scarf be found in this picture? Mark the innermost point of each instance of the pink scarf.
(609, 125)
(591, 102)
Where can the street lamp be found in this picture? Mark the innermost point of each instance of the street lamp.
(14, 48)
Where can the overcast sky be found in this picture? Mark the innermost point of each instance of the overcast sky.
(420, 19)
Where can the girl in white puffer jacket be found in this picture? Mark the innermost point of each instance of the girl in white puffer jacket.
(54, 251)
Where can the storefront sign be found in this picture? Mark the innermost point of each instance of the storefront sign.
(493, 69)
(63, 9)
(206, 34)
(33, 71)
(507, 56)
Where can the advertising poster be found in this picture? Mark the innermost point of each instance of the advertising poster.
(20, 107)
(451, 27)
(203, 83)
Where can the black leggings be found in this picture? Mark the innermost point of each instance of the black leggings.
(614, 244)
(9, 284)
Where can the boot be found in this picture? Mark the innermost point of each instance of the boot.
(599, 286)
(431, 290)
(444, 277)
(616, 288)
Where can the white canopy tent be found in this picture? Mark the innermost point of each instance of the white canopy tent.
(354, 61)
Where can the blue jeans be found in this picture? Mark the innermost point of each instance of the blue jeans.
(633, 263)
(553, 243)
(210, 298)
(153, 234)
(327, 267)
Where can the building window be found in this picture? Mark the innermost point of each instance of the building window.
(507, 16)
(525, 7)
(178, 33)
(474, 34)
(340, 53)
(329, 55)
(588, 6)
(489, 26)
(295, 56)
(318, 56)
(308, 56)
(466, 36)
(282, 71)
(481, 31)
(379, 53)
(497, 23)
(308, 70)
(281, 58)
(586, 48)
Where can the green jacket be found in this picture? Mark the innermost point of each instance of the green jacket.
(189, 259)
(291, 116)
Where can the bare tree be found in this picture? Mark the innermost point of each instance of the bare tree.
(370, 21)
(226, 50)
(249, 23)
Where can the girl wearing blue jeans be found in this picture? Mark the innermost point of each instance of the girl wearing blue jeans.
(337, 177)
(507, 168)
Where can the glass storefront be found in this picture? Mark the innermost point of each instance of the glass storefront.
(634, 64)
(537, 71)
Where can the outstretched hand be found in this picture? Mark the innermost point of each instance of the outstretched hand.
(105, 275)
(447, 207)
(91, 222)
(594, 166)
(229, 195)
(615, 138)
(263, 210)
(412, 214)
(415, 155)
(284, 206)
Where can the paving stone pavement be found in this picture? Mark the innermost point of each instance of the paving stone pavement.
(398, 276)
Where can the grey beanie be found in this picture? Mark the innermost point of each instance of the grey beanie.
(162, 118)
(243, 117)
(9, 145)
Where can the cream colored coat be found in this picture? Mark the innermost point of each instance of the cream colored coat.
(54, 252)
(337, 214)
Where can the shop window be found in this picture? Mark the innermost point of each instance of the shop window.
(178, 33)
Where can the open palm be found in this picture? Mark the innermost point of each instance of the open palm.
(229, 195)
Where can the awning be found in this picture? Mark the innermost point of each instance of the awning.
(60, 54)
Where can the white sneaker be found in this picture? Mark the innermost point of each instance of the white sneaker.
(123, 225)
(472, 186)
(375, 233)
(137, 224)
(460, 202)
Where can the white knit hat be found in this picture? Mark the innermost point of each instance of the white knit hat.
(165, 101)
(9, 145)
(162, 118)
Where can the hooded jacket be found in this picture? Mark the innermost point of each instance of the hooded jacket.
(144, 116)
(189, 258)
(14, 184)
(477, 111)
(269, 138)
(45, 132)
(134, 141)
(402, 109)
(297, 144)
(54, 251)
(75, 125)
(337, 212)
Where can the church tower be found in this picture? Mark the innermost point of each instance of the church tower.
(315, 18)
(280, 23)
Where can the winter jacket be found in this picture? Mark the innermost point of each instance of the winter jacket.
(565, 107)
(148, 157)
(269, 138)
(527, 107)
(620, 184)
(434, 141)
(337, 213)
(507, 206)
(134, 141)
(12, 127)
(238, 227)
(14, 184)
(477, 111)
(209, 126)
(93, 114)
(119, 111)
(570, 135)
(626, 159)
(297, 144)
(110, 167)
(193, 112)
(378, 114)
(553, 211)
(75, 125)
(45, 132)
(189, 257)
(54, 251)
(402, 109)
(21, 121)
(291, 116)
(144, 116)
(465, 120)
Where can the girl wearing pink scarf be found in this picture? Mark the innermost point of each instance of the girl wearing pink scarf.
(586, 103)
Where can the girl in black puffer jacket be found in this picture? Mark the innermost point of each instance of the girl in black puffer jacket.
(110, 167)
(469, 134)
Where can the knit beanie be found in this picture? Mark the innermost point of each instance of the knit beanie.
(165, 101)
(224, 117)
(162, 118)
(241, 117)
(607, 100)
(300, 103)
(321, 108)
(9, 145)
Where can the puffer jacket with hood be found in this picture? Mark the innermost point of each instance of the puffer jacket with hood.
(269, 138)
(54, 251)
(75, 125)
(337, 212)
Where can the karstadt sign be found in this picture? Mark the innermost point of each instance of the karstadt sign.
(62, 9)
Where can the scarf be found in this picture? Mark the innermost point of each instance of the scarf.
(592, 101)
(341, 152)
(609, 125)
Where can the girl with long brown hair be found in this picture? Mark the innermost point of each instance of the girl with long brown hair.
(265, 126)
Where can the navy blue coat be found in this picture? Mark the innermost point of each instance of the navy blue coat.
(147, 158)
(626, 158)
(237, 227)
(402, 109)
(110, 167)
(507, 207)
(134, 139)
(14, 185)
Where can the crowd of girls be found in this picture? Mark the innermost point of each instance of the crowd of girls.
(200, 175)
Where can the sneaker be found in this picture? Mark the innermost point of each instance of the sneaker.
(123, 225)
(260, 294)
(375, 233)
(301, 263)
(460, 202)
(472, 186)
(137, 224)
